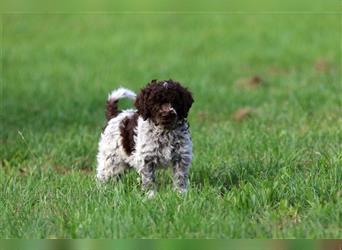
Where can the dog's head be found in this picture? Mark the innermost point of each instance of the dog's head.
(164, 102)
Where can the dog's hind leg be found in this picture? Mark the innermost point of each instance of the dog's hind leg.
(109, 167)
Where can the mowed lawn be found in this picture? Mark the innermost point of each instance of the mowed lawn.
(266, 124)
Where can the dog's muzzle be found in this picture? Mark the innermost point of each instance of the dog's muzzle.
(167, 115)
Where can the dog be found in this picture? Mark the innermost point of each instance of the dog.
(152, 136)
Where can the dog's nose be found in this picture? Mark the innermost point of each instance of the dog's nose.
(167, 107)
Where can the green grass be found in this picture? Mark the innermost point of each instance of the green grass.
(274, 174)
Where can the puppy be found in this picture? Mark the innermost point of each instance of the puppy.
(155, 135)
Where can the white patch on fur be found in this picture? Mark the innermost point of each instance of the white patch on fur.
(121, 93)
(110, 157)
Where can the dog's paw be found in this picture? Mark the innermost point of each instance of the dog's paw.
(181, 191)
(151, 194)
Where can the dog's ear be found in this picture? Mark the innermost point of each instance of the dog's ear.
(142, 102)
(187, 100)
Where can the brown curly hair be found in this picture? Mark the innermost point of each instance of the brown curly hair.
(157, 93)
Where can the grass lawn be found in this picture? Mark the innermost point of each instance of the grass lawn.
(266, 124)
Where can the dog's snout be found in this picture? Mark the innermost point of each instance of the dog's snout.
(166, 109)
(170, 114)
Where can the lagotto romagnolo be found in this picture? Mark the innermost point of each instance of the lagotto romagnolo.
(154, 135)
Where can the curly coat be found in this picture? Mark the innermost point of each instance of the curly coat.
(159, 92)
(155, 135)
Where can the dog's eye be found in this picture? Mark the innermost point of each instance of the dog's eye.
(175, 104)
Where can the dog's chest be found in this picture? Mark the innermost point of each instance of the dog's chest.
(168, 146)
(160, 147)
(164, 147)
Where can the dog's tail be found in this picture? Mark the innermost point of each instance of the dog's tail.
(113, 99)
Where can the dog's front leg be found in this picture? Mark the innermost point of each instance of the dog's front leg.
(180, 176)
(148, 179)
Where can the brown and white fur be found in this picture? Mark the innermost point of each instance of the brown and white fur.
(155, 135)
